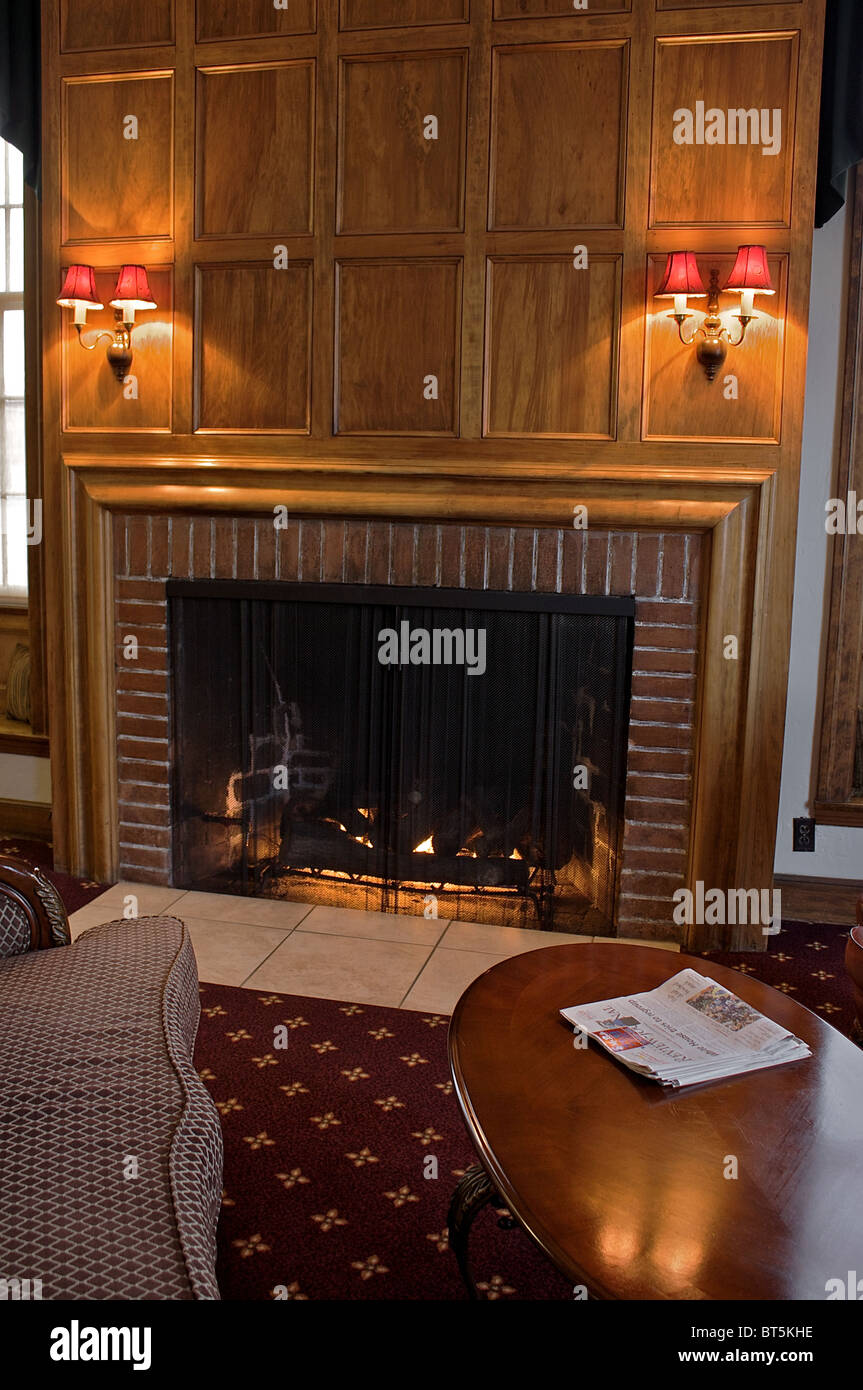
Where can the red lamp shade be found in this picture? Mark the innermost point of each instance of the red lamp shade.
(79, 287)
(682, 276)
(132, 290)
(751, 271)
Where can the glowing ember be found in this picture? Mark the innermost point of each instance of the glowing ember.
(426, 847)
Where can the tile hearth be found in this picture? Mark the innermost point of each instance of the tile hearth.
(329, 952)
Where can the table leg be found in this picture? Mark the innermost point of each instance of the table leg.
(475, 1191)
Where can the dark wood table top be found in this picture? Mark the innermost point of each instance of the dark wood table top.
(620, 1180)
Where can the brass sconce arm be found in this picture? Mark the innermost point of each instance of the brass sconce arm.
(120, 349)
(712, 335)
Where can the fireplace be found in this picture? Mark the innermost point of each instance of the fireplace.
(450, 752)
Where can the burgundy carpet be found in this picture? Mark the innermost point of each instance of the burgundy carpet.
(342, 1150)
(75, 892)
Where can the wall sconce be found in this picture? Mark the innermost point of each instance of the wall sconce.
(131, 292)
(682, 279)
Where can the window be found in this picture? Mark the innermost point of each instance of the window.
(13, 468)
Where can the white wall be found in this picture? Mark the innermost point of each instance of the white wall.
(838, 849)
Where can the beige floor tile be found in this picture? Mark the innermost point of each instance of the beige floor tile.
(151, 898)
(502, 941)
(228, 952)
(446, 977)
(94, 916)
(373, 926)
(230, 907)
(339, 967)
(636, 941)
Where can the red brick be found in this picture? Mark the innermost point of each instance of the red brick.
(265, 543)
(142, 682)
(665, 930)
(573, 552)
(660, 836)
(129, 703)
(662, 711)
(545, 562)
(693, 577)
(121, 561)
(659, 760)
(310, 550)
(638, 883)
(154, 860)
(596, 563)
(427, 558)
(151, 590)
(656, 687)
(665, 612)
(620, 581)
(647, 564)
(245, 530)
(151, 638)
(665, 788)
(137, 541)
(132, 770)
(680, 639)
(181, 545)
(160, 547)
(132, 813)
(474, 557)
(380, 552)
(659, 736)
(656, 860)
(673, 565)
(646, 910)
(141, 614)
(223, 547)
(452, 540)
(202, 534)
(499, 553)
(288, 552)
(142, 794)
(402, 554)
(137, 726)
(140, 874)
(650, 809)
(147, 836)
(523, 547)
(667, 661)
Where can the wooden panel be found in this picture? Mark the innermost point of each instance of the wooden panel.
(537, 9)
(552, 346)
(391, 178)
(114, 187)
(255, 175)
(681, 402)
(249, 19)
(552, 166)
(93, 398)
(93, 24)
(398, 324)
(713, 84)
(253, 346)
(386, 14)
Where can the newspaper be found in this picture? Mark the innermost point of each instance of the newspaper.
(689, 1029)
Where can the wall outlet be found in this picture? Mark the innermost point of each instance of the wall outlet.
(804, 835)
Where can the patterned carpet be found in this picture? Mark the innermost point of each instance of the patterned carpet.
(343, 1139)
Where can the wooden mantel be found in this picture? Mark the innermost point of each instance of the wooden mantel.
(234, 416)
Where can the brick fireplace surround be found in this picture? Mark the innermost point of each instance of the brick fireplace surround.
(662, 572)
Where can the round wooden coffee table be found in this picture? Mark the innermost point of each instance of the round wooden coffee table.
(627, 1186)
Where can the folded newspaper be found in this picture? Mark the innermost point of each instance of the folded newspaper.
(689, 1029)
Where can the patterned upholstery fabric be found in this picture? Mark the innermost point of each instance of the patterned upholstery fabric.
(14, 929)
(110, 1146)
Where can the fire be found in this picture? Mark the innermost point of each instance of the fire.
(426, 847)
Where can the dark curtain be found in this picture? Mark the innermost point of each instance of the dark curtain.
(20, 70)
(840, 141)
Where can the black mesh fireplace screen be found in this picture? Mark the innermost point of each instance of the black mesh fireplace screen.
(449, 754)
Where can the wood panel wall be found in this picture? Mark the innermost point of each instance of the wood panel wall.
(338, 292)
(429, 168)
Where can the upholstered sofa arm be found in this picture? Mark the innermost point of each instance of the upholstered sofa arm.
(32, 915)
